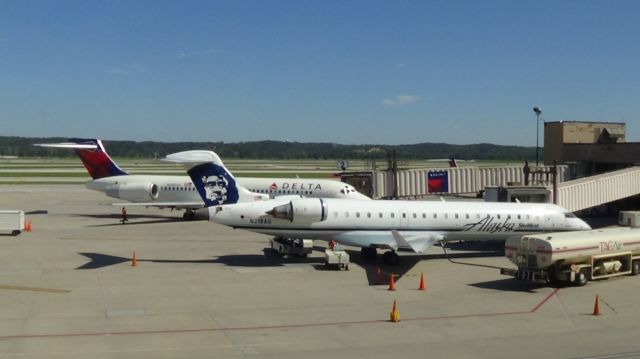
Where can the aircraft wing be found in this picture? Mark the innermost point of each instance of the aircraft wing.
(191, 205)
(418, 242)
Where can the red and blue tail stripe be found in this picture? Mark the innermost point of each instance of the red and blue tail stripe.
(97, 161)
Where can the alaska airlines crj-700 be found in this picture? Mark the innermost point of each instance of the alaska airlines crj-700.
(392, 225)
(166, 191)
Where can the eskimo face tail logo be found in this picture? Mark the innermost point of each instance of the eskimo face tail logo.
(215, 188)
(214, 184)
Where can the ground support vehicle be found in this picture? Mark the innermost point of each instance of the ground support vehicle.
(574, 257)
(11, 221)
(292, 247)
(336, 257)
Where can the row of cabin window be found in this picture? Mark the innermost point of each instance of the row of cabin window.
(435, 215)
(167, 188)
(282, 191)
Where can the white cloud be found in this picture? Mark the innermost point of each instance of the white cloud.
(400, 100)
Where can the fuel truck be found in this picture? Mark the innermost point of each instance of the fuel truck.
(574, 257)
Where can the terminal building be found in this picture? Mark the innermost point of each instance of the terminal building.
(588, 166)
(589, 148)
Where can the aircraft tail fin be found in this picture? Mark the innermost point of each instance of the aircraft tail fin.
(452, 162)
(215, 184)
(93, 155)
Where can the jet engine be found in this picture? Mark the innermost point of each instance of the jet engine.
(134, 192)
(303, 210)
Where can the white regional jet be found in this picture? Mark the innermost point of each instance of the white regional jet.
(177, 191)
(393, 225)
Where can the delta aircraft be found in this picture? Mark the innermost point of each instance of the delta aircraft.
(391, 225)
(178, 192)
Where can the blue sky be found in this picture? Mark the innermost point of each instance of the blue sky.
(352, 72)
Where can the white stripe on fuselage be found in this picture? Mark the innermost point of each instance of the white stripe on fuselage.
(181, 188)
(356, 222)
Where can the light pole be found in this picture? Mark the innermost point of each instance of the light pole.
(538, 111)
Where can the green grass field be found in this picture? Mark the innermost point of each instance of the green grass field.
(71, 170)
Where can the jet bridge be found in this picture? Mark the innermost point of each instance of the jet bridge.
(593, 191)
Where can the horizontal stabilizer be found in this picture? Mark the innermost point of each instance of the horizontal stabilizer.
(79, 146)
(418, 243)
(192, 158)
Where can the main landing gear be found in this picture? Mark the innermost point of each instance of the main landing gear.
(189, 215)
(391, 258)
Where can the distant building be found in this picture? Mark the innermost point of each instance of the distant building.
(589, 147)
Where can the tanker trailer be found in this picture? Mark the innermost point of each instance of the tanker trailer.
(574, 257)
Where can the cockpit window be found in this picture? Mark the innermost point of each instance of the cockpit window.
(569, 215)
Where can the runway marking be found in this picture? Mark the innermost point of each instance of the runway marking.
(268, 327)
(34, 289)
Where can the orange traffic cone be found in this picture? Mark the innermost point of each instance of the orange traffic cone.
(134, 262)
(394, 316)
(378, 276)
(392, 283)
(596, 307)
(27, 226)
(422, 287)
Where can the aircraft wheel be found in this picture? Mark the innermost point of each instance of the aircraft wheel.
(582, 277)
(635, 267)
(391, 258)
(189, 215)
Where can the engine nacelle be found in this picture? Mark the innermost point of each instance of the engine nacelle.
(303, 210)
(134, 192)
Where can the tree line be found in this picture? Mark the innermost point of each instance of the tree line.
(23, 147)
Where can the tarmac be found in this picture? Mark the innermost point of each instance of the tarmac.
(201, 290)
